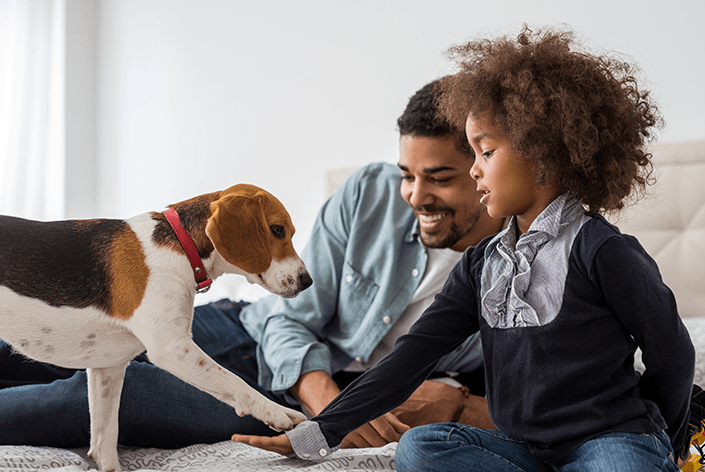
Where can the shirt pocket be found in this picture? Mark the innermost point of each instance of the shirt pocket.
(357, 293)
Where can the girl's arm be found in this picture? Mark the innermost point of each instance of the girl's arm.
(633, 288)
(443, 327)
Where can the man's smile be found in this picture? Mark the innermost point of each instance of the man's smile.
(429, 220)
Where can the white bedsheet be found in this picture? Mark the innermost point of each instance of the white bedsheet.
(224, 456)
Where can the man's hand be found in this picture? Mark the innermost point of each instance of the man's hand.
(279, 444)
(376, 433)
(682, 462)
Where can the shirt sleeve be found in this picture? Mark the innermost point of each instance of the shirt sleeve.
(633, 288)
(443, 327)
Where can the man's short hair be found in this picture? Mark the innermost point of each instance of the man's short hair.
(421, 119)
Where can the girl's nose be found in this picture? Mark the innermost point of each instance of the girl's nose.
(475, 171)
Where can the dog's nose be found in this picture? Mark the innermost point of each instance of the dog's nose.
(305, 280)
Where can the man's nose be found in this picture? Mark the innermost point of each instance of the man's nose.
(420, 195)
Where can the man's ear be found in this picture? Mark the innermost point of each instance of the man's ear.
(238, 230)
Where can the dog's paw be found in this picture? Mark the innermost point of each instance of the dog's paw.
(279, 418)
(105, 462)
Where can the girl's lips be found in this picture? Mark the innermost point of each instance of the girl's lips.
(484, 193)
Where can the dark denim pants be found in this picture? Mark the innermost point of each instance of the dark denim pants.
(50, 408)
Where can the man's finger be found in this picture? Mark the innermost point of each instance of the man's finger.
(353, 441)
(389, 428)
(364, 436)
(397, 424)
(279, 444)
(383, 430)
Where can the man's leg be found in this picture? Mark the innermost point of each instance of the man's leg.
(218, 331)
(622, 452)
(450, 446)
(16, 369)
(156, 409)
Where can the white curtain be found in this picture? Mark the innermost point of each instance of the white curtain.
(32, 108)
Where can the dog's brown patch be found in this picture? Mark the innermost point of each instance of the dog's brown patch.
(128, 274)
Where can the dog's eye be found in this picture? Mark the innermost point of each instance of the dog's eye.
(278, 231)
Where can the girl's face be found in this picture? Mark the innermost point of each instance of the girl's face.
(506, 180)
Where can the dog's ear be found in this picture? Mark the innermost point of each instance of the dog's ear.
(238, 230)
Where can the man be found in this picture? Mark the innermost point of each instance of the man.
(380, 249)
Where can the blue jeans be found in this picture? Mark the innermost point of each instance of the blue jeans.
(448, 446)
(156, 408)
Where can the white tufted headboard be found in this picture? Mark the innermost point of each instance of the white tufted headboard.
(670, 221)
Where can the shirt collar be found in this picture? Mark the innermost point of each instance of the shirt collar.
(413, 232)
(559, 213)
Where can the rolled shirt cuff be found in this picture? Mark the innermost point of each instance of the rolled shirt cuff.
(308, 442)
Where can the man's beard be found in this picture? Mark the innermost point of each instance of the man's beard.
(454, 234)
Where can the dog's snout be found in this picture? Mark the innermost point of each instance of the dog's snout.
(305, 280)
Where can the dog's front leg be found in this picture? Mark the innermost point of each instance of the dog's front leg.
(104, 390)
(186, 360)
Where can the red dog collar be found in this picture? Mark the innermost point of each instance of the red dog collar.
(199, 272)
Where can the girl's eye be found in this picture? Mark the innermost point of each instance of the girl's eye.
(487, 154)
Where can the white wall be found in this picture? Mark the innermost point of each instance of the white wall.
(193, 96)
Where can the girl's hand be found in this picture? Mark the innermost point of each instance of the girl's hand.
(279, 444)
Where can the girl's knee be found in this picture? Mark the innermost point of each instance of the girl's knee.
(419, 447)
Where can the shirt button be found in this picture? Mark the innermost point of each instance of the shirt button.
(358, 359)
(348, 278)
(323, 453)
(415, 272)
(386, 320)
(307, 456)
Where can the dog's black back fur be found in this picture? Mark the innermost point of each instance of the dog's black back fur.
(63, 263)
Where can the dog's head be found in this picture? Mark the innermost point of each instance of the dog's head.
(252, 231)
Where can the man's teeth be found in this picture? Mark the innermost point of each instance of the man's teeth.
(431, 218)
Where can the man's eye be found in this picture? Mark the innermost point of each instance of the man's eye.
(278, 231)
(441, 181)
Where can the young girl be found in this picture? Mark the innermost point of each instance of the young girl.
(561, 298)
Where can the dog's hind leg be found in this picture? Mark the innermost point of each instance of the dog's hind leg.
(104, 389)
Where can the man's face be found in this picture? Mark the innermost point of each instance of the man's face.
(436, 183)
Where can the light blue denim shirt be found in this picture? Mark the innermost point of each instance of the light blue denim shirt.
(366, 260)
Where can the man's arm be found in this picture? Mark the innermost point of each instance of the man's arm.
(290, 332)
(315, 390)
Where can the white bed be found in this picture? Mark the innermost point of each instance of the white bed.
(225, 456)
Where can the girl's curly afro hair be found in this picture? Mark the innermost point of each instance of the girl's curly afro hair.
(580, 116)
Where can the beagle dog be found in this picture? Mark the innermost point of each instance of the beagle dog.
(95, 293)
